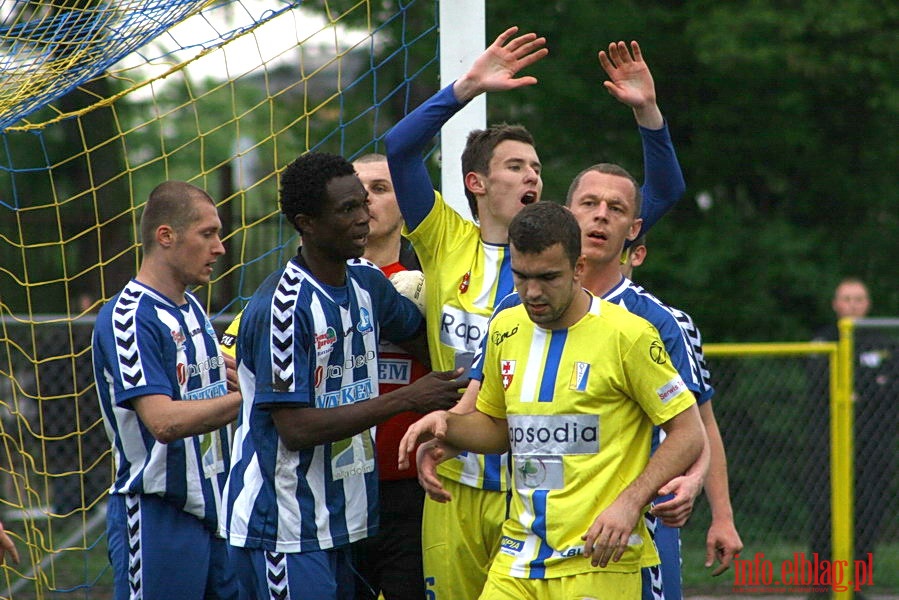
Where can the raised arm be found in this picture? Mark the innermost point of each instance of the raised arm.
(494, 70)
(630, 82)
(406, 143)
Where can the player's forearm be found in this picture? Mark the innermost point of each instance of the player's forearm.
(682, 446)
(700, 468)
(169, 420)
(406, 143)
(663, 179)
(716, 487)
(468, 402)
(477, 432)
(301, 428)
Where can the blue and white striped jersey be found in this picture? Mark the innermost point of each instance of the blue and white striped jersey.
(694, 337)
(640, 302)
(306, 345)
(144, 344)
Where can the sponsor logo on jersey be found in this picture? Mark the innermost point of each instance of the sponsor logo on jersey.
(394, 371)
(657, 352)
(353, 456)
(323, 372)
(213, 390)
(671, 389)
(552, 435)
(511, 545)
(178, 337)
(539, 473)
(348, 394)
(499, 336)
(228, 340)
(326, 339)
(186, 371)
(364, 325)
(507, 369)
(461, 330)
(579, 376)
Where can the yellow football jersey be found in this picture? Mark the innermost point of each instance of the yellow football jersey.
(466, 278)
(580, 405)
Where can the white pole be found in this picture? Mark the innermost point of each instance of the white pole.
(462, 39)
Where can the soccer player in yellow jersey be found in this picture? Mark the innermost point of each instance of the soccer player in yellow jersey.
(466, 263)
(572, 385)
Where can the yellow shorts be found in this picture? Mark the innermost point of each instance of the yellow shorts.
(459, 539)
(595, 585)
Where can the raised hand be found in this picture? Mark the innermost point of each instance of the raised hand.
(496, 69)
(630, 82)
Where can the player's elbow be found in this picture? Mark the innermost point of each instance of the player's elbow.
(165, 432)
(688, 433)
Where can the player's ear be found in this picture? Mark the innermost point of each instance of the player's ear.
(635, 229)
(579, 266)
(302, 222)
(165, 236)
(638, 255)
(474, 183)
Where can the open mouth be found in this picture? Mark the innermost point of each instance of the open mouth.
(529, 198)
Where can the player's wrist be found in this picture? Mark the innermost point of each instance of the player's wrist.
(649, 116)
(465, 89)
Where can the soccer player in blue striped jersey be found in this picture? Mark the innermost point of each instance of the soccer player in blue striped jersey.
(722, 539)
(166, 397)
(573, 384)
(467, 264)
(303, 483)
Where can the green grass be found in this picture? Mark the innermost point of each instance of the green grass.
(60, 558)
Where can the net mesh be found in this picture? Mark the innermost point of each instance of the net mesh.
(101, 101)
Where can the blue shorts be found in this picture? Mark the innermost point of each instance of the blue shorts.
(322, 575)
(663, 582)
(160, 551)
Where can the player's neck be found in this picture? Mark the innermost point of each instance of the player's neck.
(600, 278)
(161, 279)
(384, 251)
(326, 269)
(579, 306)
(493, 232)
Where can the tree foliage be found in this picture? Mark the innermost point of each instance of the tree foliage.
(784, 116)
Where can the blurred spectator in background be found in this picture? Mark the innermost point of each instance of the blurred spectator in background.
(876, 372)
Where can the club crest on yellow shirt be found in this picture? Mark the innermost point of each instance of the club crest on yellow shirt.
(508, 370)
